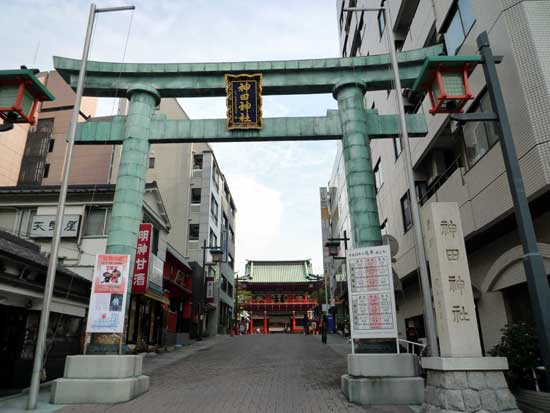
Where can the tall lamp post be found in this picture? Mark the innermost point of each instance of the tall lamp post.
(444, 67)
(216, 253)
(56, 239)
(415, 210)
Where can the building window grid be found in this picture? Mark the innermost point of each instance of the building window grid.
(381, 20)
(194, 232)
(195, 195)
(151, 163)
(397, 147)
(214, 208)
(197, 161)
(406, 211)
(480, 137)
(460, 24)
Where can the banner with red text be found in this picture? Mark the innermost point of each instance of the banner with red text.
(108, 295)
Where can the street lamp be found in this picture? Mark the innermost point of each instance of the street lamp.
(245, 277)
(317, 279)
(20, 94)
(216, 253)
(415, 210)
(56, 238)
(537, 282)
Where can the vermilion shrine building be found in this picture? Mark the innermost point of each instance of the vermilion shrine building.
(278, 295)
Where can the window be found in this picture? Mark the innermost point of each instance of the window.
(215, 178)
(397, 148)
(51, 144)
(381, 20)
(193, 232)
(460, 24)
(98, 221)
(224, 284)
(230, 261)
(46, 170)
(479, 137)
(151, 163)
(230, 290)
(155, 241)
(195, 195)
(225, 224)
(406, 211)
(213, 239)
(197, 161)
(378, 181)
(214, 208)
(231, 234)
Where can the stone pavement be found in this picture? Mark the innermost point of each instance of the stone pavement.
(274, 373)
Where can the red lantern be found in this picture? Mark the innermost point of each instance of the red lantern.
(445, 79)
(20, 93)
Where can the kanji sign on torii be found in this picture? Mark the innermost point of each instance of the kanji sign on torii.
(145, 84)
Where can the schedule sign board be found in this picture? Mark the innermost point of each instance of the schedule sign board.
(108, 296)
(370, 290)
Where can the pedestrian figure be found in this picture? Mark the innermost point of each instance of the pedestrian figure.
(306, 324)
(324, 329)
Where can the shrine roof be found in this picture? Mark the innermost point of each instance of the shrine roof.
(291, 271)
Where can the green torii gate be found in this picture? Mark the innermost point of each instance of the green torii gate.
(145, 84)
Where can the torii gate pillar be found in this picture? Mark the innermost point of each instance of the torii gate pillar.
(363, 209)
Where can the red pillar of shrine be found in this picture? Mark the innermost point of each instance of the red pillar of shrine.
(265, 322)
(293, 322)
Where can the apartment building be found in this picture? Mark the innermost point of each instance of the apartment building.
(212, 223)
(456, 163)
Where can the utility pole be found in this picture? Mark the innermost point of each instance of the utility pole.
(56, 240)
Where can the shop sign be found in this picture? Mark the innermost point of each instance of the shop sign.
(210, 289)
(143, 258)
(370, 288)
(42, 226)
(156, 269)
(244, 101)
(108, 295)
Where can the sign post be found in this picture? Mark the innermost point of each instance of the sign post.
(108, 295)
(371, 297)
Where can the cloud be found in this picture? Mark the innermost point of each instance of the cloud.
(259, 218)
(275, 184)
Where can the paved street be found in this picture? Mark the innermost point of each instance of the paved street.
(275, 373)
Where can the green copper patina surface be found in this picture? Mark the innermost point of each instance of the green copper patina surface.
(112, 129)
(145, 84)
(360, 183)
(130, 184)
(288, 77)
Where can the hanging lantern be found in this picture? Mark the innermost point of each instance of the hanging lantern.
(217, 254)
(333, 248)
(20, 93)
(445, 79)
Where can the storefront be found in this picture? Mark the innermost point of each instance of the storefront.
(178, 283)
(147, 321)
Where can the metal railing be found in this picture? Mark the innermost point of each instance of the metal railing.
(413, 347)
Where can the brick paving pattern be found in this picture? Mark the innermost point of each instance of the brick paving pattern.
(274, 373)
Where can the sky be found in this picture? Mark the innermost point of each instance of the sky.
(275, 185)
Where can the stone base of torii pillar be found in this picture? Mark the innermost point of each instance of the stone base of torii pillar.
(383, 379)
(100, 379)
(467, 384)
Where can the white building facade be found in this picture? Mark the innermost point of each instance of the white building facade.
(456, 163)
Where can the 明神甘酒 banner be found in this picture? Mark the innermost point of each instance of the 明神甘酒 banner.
(244, 101)
(108, 296)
